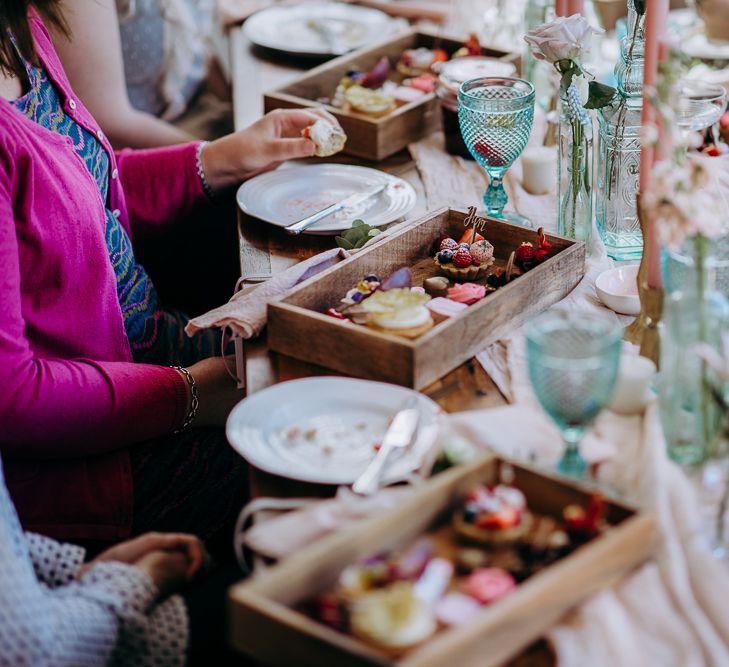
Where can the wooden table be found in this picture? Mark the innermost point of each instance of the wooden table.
(466, 388)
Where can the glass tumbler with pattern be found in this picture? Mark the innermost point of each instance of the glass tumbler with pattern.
(496, 115)
(573, 360)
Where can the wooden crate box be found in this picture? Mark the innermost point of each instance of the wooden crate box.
(368, 137)
(298, 327)
(267, 624)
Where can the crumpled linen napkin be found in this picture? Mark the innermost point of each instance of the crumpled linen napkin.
(247, 311)
(287, 533)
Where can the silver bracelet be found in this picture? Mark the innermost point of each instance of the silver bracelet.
(194, 399)
(201, 172)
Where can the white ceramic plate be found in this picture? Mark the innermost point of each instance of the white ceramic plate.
(286, 195)
(341, 28)
(324, 429)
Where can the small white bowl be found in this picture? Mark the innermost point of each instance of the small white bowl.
(618, 289)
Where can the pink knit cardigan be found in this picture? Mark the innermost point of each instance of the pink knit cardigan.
(71, 399)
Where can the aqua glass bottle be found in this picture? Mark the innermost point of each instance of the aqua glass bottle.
(618, 168)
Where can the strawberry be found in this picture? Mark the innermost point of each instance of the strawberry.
(543, 243)
(506, 517)
(489, 153)
(540, 254)
(525, 253)
(333, 312)
(712, 151)
(439, 56)
(468, 237)
(473, 45)
(461, 258)
(448, 244)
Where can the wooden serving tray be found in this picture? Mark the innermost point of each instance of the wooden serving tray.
(266, 624)
(298, 327)
(367, 137)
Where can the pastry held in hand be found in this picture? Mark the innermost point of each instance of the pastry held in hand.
(328, 139)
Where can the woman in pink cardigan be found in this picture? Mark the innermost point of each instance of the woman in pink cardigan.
(110, 420)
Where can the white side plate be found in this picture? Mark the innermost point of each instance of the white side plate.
(324, 429)
(290, 28)
(286, 195)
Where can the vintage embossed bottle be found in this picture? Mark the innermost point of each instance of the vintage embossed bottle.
(619, 148)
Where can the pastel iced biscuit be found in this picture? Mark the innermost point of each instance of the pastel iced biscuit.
(489, 584)
(446, 307)
(467, 293)
(328, 139)
(456, 609)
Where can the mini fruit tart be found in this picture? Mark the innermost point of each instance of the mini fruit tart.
(495, 516)
(463, 262)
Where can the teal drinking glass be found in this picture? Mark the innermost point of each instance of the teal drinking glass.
(495, 115)
(573, 360)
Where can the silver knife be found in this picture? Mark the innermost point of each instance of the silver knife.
(350, 202)
(400, 434)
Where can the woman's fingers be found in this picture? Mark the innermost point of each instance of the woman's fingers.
(280, 150)
(292, 121)
(190, 545)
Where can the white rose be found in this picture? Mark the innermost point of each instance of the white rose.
(565, 38)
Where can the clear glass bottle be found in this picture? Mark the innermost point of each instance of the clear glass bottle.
(574, 182)
(619, 149)
(696, 313)
(539, 72)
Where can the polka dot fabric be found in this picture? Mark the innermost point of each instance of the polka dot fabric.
(108, 617)
(55, 564)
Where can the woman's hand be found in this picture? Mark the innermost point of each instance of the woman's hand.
(167, 570)
(263, 146)
(170, 559)
(132, 550)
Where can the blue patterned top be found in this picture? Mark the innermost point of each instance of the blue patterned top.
(135, 291)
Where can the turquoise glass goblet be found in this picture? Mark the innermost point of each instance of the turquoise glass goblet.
(573, 360)
(495, 115)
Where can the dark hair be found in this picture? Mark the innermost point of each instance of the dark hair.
(14, 19)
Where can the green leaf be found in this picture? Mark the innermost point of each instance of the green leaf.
(355, 234)
(343, 243)
(600, 95)
(566, 79)
(374, 232)
(359, 223)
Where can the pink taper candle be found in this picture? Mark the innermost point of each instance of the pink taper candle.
(575, 7)
(655, 32)
(560, 7)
